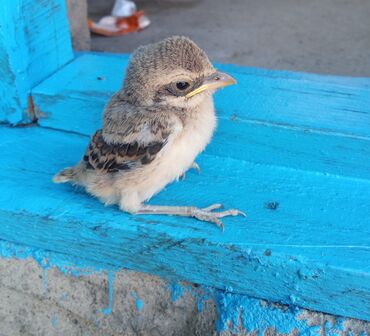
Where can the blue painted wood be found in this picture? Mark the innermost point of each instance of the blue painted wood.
(312, 251)
(34, 43)
(263, 318)
(333, 104)
(73, 100)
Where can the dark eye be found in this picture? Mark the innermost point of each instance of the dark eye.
(182, 85)
(180, 88)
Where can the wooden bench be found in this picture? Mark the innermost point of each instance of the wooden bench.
(292, 150)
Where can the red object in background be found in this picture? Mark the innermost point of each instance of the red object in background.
(115, 26)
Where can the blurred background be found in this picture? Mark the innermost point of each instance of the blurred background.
(321, 36)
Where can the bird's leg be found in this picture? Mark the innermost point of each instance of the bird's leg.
(195, 166)
(202, 214)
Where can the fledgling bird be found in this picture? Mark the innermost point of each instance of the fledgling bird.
(153, 128)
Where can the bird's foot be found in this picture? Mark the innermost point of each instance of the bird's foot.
(208, 215)
(203, 214)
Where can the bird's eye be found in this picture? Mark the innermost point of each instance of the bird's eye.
(182, 85)
(180, 88)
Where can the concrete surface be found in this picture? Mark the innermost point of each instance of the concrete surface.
(321, 36)
(35, 301)
(77, 13)
(42, 301)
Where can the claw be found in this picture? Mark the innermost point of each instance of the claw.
(236, 212)
(230, 212)
(195, 166)
(241, 213)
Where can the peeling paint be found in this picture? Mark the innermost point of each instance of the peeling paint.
(108, 309)
(322, 321)
(176, 291)
(138, 302)
(270, 331)
(242, 315)
(200, 294)
(237, 314)
(54, 321)
(331, 325)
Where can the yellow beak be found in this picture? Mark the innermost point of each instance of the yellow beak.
(212, 82)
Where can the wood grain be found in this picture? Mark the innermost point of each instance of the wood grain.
(34, 43)
(311, 249)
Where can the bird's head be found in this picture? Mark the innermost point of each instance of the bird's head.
(174, 72)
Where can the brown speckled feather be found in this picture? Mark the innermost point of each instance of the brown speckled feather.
(112, 158)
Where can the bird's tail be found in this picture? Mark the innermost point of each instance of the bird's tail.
(65, 175)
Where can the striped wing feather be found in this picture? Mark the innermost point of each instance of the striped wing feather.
(112, 158)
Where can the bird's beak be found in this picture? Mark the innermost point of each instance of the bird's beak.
(213, 82)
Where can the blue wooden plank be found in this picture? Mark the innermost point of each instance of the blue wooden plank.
(332, 104)
(73, 100)
(312, 251)
(34, 43)
(255, 142)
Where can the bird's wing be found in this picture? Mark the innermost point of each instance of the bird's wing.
(112, 157)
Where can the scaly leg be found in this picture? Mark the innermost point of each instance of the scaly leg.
(202, 214)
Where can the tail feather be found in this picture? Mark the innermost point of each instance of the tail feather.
(65, 175)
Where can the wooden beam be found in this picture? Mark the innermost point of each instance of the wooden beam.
(310, 249)
(307, 102)
(34, 43)
(291, 150)
(300, 121)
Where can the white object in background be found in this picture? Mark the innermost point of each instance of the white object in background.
(123, 8)
(143, 22)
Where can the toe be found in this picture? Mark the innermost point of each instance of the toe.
(230, 212)
(208, 217)
(216, 221)
(241, 213)
(236, 212)
(213, 207)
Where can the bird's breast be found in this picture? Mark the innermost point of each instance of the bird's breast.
(196, 134)
(181, 151)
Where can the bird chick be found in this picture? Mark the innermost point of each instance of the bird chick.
(153, 128)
